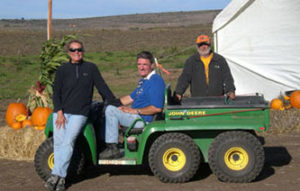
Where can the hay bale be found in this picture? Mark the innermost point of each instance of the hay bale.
(19, 144)
(284, 121)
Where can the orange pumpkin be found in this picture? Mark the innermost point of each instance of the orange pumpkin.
(40, 115)
(16, 125)
(295, 99)
(26, 123)
(277, 104)
(13, 110)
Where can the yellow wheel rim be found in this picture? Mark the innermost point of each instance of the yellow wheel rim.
(236, 158)
(51, 161)
(174, 159)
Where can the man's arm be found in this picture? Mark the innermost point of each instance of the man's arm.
(126, 100)
(184, 80)
(149, 110)
(101, 85)
(57, 86)
(229, 87)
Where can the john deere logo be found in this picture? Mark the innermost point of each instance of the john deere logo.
(187, 113)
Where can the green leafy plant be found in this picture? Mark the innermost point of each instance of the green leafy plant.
(52, 56)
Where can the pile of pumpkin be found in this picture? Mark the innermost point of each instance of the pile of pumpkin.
(286, 102)
(17, 116)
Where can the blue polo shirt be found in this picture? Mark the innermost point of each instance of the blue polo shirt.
(150, 91)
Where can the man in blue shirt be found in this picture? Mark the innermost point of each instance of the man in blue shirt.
(146, 100)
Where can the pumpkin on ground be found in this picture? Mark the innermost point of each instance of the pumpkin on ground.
(16, 125)
(26, 123)
(40, 115)
(295, 99)
(13, 110)
(277, 104)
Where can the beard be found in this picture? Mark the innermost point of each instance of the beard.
(204, 52)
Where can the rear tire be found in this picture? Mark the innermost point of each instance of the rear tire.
(174, 158)
(44, 161)
(236, 156)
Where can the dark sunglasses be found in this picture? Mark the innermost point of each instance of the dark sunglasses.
(203, 43)
(76, 49)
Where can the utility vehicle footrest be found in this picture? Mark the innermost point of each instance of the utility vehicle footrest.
(120, 161)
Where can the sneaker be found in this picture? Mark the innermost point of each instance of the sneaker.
(111, 152)
(51, 182)
(61, 185)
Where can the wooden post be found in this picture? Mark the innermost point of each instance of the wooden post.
(49, 25)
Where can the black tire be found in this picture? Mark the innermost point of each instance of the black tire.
(236, 156)
(174, 158)
(44, 161)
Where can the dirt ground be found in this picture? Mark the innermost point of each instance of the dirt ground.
(281, 172)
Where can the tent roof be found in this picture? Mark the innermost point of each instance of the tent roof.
(232, 10)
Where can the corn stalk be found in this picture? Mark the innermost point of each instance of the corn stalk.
(52, 56)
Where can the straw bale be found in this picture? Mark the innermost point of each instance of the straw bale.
(19, 144)
(285, 121)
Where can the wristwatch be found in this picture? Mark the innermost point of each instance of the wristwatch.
(138, 111)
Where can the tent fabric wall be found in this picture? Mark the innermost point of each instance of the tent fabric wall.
(260, 39)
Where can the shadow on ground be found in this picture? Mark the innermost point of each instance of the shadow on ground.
(274, 157)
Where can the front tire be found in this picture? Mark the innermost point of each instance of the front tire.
(236, 156)
(44, 161)
(174, 158)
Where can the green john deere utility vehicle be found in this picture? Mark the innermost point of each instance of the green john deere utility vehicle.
(213, 130)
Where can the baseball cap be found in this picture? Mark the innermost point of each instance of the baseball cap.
(203, 39)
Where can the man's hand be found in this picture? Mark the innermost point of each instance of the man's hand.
(128, 109)
(61, 120)
(179, 97)
(231, 95)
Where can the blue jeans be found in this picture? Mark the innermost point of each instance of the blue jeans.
(113, 117)
(64, 140)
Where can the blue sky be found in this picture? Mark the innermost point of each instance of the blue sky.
(37, 9)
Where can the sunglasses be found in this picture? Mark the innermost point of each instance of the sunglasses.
(203, 43)
(76, 49)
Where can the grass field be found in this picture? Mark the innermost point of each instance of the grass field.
(18, 73)
(112, 49)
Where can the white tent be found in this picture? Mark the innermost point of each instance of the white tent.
(260, 39)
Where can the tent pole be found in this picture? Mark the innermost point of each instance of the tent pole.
(215, 42)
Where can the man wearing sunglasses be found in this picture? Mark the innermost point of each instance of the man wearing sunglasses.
(72, 97)
(206, 72)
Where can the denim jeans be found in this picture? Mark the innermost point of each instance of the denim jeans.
(64, 140)
(113, 117)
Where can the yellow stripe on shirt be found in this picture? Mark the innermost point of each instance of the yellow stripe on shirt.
(206, 61)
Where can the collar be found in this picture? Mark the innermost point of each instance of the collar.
(78, 63)
(149, 75)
